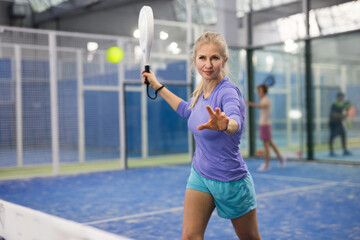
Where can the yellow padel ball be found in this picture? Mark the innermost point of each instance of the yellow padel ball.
(114, 54)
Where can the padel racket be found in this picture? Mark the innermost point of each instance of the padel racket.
(146, 29)
(269, 80)
(351, 112)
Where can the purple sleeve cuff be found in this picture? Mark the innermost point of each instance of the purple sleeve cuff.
(183, 109)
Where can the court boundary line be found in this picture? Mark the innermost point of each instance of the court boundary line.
(287, 178)
(295, 190)
(290, 178)
(278, 177)
(175, 209)
(307, 180)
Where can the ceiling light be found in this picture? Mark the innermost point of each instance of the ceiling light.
(173, 48)
(92, 46)
(295, 114)
(164, 35)
(290, 46)
(136, 33)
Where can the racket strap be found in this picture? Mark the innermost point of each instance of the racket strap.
(156, 92)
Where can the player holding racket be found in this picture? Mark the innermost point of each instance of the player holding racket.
(338, 113)
(219, 176)
(265, 127)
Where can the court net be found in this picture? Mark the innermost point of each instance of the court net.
(22, 223)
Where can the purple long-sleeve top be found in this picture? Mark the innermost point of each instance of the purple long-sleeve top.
(217, 155)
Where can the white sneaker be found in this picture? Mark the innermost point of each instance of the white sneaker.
(283, 162)
(263, 168)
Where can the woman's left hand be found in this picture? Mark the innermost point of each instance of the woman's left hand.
(217, 120)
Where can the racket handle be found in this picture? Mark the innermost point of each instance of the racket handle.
(147, 69)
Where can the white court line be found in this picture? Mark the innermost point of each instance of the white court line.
(296, 189)
(300, 179)
(175, 209)
(278, 177)
(351, 184)
(289, 178)
(258, 196)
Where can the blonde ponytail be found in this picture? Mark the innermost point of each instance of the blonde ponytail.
(196, 94)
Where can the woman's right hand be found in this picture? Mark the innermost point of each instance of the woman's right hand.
(153, 82)
(167, 95)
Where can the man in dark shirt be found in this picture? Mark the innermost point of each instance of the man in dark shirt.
(338, 113)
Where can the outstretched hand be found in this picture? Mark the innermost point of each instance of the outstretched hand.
(217, 120)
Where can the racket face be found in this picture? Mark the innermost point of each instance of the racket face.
(269, 81)
(146, 29)
(352, 111)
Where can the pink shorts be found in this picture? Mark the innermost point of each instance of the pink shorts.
(265, 132)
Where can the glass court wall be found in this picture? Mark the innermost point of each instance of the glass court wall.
(335, 67)
(303, 96)
(285, 67)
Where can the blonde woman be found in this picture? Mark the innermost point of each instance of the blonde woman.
(219, 177)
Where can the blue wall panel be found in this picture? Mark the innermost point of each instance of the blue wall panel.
(167, 131)
(5, 69)
(133, 123)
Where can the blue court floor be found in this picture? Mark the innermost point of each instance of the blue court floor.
(303, 201)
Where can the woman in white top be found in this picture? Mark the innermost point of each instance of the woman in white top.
(265, 127)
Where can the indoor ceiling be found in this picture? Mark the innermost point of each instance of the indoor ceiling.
(48, 10)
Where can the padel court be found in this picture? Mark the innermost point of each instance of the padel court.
(82, 139)
(303, 201)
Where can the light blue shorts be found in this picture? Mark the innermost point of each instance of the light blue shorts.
(232, 199)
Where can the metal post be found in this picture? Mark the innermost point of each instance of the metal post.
(122, 119)
(251, 97)
(250, 81)
(18, 101)
(189, 41)
(54, 103)
(81, 109)
(308, 84)
(309, 101)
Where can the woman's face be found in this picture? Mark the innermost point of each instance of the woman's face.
(260, 92)
(209, 62)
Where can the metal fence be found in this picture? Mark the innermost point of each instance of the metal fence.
(63, 103)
